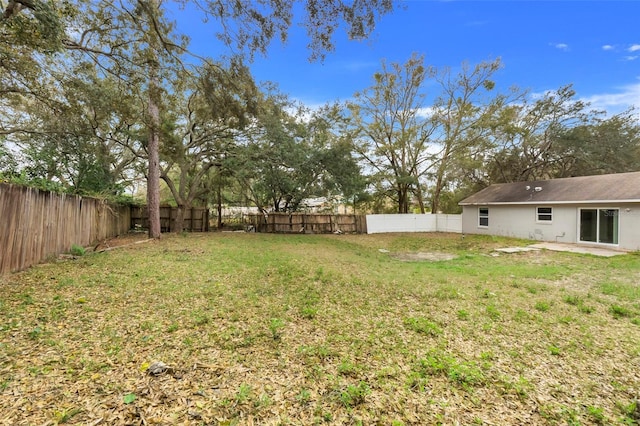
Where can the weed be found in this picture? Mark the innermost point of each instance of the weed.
(462, 315)
(554, 350)
(27, 299)
(521, 316)
(5, 384)
(416, 381)
(542, 306)
(35, 333)
(620, 311)
(303, 397)
(597, 414)
(308, 312)
(77, 250)
(201, 319)
(522, 387)
(447, 293)
(354, 394)
(493, 312)
(466, 373)
(243, 394)
(347, 368)
(423, 325)
(264, 400)
(129, 398)
(65, 415)
(567, 319)
(172, 327)
(586, 309)
(487, 356)
(275, 326)
(573, 300)
(146, 325)
(318, 351)
(571, 416)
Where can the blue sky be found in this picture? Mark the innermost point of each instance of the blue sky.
(594, 45)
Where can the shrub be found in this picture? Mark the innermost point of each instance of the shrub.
(77, 250)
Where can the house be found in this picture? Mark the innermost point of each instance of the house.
(599, 210)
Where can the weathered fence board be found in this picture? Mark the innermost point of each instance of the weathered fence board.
(196, 219)
(308, 223)
(35, 225)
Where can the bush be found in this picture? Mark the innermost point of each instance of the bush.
(78, 250)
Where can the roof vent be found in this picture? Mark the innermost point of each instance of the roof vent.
(537, 188)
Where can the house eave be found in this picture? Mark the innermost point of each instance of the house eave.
(546, 202)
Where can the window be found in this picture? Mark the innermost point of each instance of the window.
(483, 216)
(544, 214)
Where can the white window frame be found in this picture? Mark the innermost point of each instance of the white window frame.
(549, 214)
(483, 216)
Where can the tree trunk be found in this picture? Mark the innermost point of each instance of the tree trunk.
(219, 206)
(403, 199)
(419, 196)
(435, 202)
(153, 178)
(179, 224)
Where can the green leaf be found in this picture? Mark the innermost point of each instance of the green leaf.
(129, 398)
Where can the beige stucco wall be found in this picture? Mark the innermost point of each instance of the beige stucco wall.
(519, 221)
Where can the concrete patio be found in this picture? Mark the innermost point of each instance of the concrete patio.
(573, 248)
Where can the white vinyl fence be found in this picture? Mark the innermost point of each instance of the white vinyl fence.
(381, 223)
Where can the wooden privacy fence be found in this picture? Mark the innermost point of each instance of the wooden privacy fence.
(196, 219)
(35, 225)
(316, 223)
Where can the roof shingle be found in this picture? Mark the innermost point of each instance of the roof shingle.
(612, 187)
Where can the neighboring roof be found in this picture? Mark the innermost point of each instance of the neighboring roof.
(619, 187)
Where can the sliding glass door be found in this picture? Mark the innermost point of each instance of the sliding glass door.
(599, 225)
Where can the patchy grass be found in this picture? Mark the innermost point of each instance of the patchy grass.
(312, 329)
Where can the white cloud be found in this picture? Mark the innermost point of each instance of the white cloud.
(425, 112)
(634, 48)
(630, 58)
(628, 96)
(561, 46)
(607, 47)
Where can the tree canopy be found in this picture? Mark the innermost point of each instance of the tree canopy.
(97, 96)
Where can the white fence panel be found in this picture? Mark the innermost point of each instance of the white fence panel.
(449, 223)
(381, 223)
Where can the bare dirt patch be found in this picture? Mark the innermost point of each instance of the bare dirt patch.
(121, 241)
(423, 256)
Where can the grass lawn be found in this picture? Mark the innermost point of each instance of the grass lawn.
(310, 329)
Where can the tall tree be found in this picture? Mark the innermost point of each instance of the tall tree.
(291, 157)
(604, 145)
(81, 142)
(463, 114)
(250, 26)
(528, 136)
(392, 128)
(217, 107)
